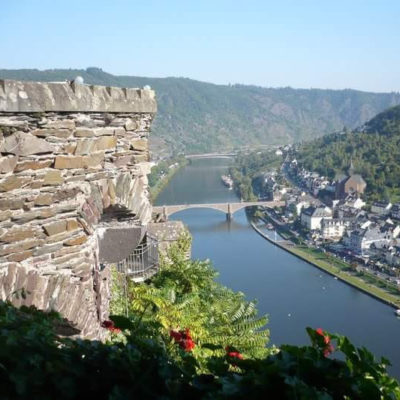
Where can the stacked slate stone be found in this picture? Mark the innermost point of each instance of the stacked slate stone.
(69, 153)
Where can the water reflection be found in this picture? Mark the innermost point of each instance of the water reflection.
(293, 293)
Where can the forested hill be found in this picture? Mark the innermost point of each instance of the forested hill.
(374, 149)
(201, 117)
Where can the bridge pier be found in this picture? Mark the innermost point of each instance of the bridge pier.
(229, 214)
(165, 215)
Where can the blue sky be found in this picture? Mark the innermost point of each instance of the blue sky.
(300, 43)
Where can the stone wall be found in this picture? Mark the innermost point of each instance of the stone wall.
(71, 157)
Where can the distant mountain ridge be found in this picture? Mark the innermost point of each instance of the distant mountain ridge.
(202, 117)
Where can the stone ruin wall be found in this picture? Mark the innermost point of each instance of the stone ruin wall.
(68, 153)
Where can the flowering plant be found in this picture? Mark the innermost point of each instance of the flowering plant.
(183, 338)
(233, 353)
(323, 341)
(110, 326)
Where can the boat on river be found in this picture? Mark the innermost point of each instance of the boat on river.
(227, 181)
(397, 312)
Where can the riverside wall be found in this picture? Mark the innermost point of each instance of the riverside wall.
(74, 160)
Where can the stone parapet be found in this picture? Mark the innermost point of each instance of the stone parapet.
(63, 175)
(23, 96)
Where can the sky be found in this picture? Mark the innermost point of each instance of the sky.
(333, 44)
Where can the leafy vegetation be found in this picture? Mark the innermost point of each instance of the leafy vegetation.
(374, 150)
(247, 172)
(197, 117)
(38, 364)
(184, 295)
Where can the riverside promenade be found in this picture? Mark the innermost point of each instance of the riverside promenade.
(371, 290)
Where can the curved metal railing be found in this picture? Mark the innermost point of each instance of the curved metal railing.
(143, 262)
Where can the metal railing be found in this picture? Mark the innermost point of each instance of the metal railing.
(143, 262)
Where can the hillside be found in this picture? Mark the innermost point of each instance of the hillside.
(374, 149)
(201, 117)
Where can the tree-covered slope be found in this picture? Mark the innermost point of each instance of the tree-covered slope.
(374, 150)
(200, 117)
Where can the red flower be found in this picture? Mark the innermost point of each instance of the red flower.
(110, 326)
(319, 331)
(328, 348)
(233, 354)
(183, 338)
(177, 336)
(187, 345)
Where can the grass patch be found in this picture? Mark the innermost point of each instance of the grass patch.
(366, 282)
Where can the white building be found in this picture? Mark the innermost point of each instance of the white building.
(362, 239)
(355, 203)
(333, 229)
(311, 217)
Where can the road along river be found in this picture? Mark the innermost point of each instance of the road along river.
(293, 293)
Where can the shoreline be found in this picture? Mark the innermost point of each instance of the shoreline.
(160, 185)
(330, 271)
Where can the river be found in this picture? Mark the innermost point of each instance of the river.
(293, 293)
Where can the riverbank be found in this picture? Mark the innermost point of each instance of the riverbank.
(163, 182)
(319, 262)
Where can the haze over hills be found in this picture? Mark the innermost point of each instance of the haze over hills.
(196, 116)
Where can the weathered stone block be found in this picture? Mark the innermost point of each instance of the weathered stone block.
(76, 240)
(83, 132)
(8, 163)
(105, 143)
(48, 212)
(65, 194)
(109, 131)
(34, 164)
(25, 245)
(55, 227)
(68, 162)
(73, 224)
(4, 215)
(84, 147)
(24, 217)
(20, 256)
(11, 204)
(17, 234)
(139, 145)
(60, 124)
(93, 160)
(12, 182)
(75, 162)
(24, 144)
(46, 249)
(52, 178)
(44, 199)
(69, 148)
(62, 133)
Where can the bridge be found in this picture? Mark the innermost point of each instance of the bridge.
(228, 208)
(210, 155)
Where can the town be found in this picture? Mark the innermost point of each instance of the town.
(332, 216)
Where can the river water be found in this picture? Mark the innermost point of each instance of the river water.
(291, 292)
